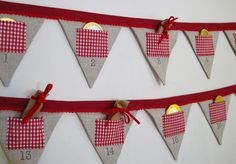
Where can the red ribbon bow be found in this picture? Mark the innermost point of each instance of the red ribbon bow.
(167, 26)
(124, 112)
(39, 100)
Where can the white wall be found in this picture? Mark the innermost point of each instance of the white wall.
(126, 75)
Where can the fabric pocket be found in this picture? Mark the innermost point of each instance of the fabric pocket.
(217, 112)
(91, 43)
(12, 37)
(154, 48)
(173, 124)
(25, 136)
(109, 132)
(204, 45)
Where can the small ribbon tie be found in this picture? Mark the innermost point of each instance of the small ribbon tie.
(40, 99)
(167, 26)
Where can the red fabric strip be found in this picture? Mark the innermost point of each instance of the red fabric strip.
(18, 104)
(56, 13)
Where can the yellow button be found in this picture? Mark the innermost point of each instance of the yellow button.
(92, 26)
(173, 109)
(219, 98)
(7, 19)
(204, 32)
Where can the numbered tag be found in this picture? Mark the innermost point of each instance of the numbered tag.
(25, 155)
(110, 151)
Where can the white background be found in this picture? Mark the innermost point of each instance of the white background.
(126, 75)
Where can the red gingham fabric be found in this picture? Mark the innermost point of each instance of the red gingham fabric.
(25, 136)
(153, 48)
(91, 43)
(12, 37)
(173, 124)
(217, 112)
(204, 45)
(109, 132)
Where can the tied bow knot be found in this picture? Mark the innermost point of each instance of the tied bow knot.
(40, 99)
(166, 25)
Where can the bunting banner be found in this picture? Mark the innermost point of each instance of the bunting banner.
(91, 37)
(24, 143)
(16, 35)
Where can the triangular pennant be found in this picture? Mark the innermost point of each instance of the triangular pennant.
(107, 136)
(24, 144)
(204, 48)
(16, 35)
(231, 36)
(91, 47)
(157, 54)
(172, 136)
(216, 115)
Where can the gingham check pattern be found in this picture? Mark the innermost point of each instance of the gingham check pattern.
(173, 124)
(91, 43)
(204, 45)
(153, 48)
(217, 112)
(109, 132)
(12, 37)
(25, 136)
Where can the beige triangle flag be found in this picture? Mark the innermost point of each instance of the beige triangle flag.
(16, 35)
(231, 36)
(171, 127)
(24, 144)
(216, 115)
(204, 48)
(91, 47)
(157, 54)
(107, 136)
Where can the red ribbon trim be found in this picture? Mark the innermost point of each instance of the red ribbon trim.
(72, 15)
(52, 106)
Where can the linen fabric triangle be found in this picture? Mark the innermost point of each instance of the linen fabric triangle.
(106, 136)
(16, 35)
(91, 47)
(156, 53)
(231, 36)
(204, 48)
(24, 144)
(216, 115)
(171, 127)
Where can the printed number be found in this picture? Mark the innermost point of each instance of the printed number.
(110, 151)
(25, 155)
(5, 60)
(175, 140)
(92, 63)
(158, 60)
(219, 125)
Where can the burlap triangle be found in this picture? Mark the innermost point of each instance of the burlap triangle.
(7, 68)
(91, 66)
(88, 121)
(217, 128)
(25, 156)
(231, 36)
(158, 65)
(173, 142)
(205, 61)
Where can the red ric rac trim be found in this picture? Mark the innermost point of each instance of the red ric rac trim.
(18, 104)
(72, 15)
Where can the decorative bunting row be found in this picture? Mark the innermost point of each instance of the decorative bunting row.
(107, 134)
(91, 42)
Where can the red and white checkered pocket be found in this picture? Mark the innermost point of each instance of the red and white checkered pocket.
(217, 112)
(204, 45)
(173, 124)
(109, 132)
(156, 49)
(12, 37)
(25, 136)
(91, 43)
